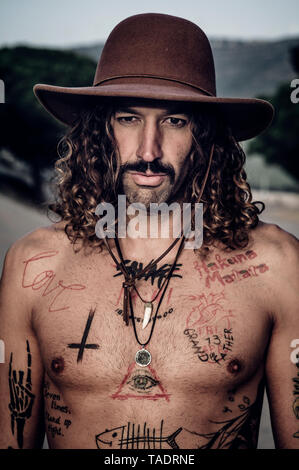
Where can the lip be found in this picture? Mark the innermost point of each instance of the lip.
(148, 179)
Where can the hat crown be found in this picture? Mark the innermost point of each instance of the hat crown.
(158, 46)
(157, 57)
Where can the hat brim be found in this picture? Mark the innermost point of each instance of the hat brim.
(247, 117)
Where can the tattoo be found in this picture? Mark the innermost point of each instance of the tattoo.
(240, 432)
(142, 381)
(81, 346)
(56, 424)
(44, 280)
(133, 268)
(208, 316)
(236, 433)
(134, 436)
(141, 384)
(212, 272)
(201, 349)
(140, 320)
(296, 393)
(206, 308)
(231, 397)
(222, 263)
(54, 398)
(21, 397)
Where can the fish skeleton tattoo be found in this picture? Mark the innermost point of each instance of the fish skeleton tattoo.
(131, 437)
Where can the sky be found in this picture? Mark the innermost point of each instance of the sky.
(63, 23)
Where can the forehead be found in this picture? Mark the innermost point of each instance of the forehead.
(157, 105)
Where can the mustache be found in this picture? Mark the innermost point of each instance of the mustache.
(154, 167)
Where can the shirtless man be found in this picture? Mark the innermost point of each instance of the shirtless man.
(226, 321)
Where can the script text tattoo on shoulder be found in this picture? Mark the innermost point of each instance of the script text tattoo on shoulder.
(213, 274)
(45, 281)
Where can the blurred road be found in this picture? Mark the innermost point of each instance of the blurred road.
(281, 208)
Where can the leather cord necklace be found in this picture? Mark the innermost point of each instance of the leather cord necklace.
(143, 356)
(130, 282)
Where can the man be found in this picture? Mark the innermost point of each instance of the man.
(205, 329)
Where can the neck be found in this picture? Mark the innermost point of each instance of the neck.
(146, 249)
(148, 233)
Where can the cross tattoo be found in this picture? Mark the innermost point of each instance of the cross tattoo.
(81, 346)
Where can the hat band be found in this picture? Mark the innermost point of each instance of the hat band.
(168, 79)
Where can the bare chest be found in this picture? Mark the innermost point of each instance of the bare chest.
(211, 329)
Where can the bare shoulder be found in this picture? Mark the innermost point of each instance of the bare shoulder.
(276, 243)
(280, 251)
(40, 240)
(17, 301)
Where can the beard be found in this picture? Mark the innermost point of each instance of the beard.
(145, 194)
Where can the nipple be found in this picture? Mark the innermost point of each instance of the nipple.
(234, 366)
(57, 365)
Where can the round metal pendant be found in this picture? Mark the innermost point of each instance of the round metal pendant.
(143, 358)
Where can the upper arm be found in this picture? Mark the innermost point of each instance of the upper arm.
(21, 375)
(281, 371)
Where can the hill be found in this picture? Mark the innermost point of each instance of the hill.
(243, 68)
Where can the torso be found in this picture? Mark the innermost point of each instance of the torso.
(204, 385)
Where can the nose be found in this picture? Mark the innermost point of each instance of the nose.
(149, 147)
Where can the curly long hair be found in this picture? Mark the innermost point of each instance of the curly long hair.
(88, 172)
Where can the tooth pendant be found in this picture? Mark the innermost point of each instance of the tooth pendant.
(148, 308)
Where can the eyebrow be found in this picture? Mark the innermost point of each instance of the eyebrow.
(127, 109)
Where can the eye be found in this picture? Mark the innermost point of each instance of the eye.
(143, 382)
(127, 120)
(176, 122)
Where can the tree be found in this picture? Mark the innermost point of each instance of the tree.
(280, 143)
(27, 130)
(294, 56)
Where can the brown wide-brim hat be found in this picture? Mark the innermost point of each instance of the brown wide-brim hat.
(157, 57)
